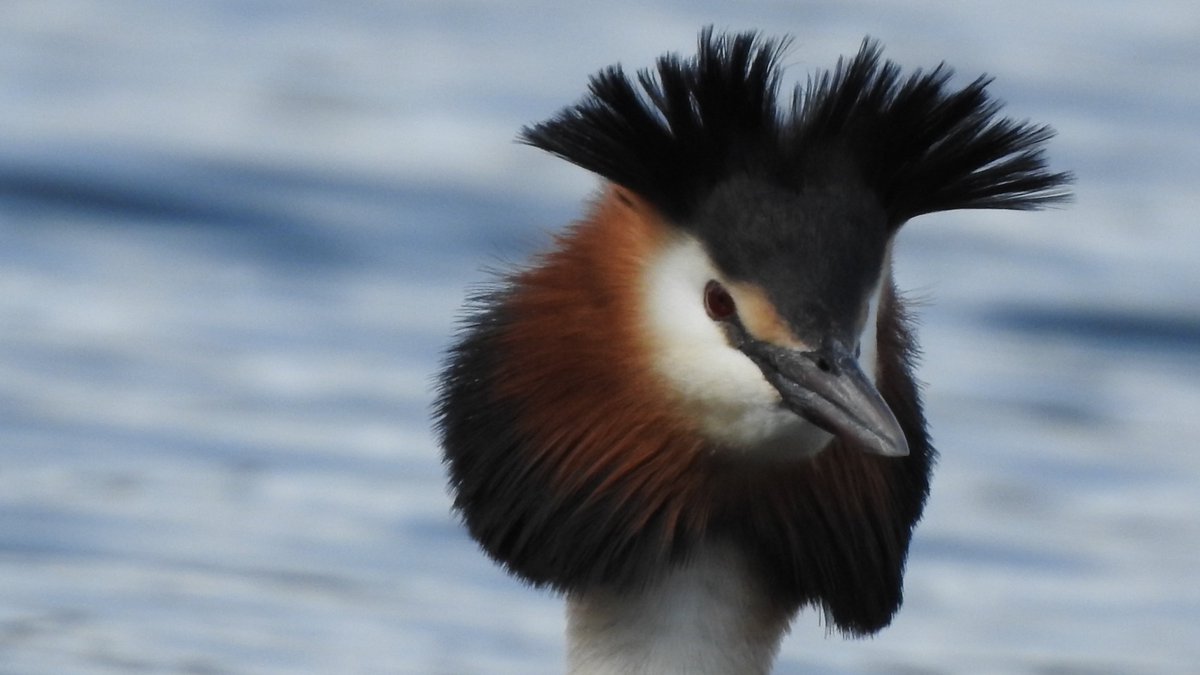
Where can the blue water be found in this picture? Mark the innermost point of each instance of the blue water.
(234, 237)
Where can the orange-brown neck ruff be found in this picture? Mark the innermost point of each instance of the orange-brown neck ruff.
(573, 465)
(577, 365)
(568, 464)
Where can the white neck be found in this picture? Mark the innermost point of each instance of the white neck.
(708, 616)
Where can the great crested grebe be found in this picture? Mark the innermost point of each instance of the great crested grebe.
(696, 414)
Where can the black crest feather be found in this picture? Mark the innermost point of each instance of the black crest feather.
(920, 146)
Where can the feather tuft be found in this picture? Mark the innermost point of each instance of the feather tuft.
(672, 134)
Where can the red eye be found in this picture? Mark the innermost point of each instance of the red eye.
(718, 302)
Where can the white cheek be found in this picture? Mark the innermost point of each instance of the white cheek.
(733, 403)
(868, 358)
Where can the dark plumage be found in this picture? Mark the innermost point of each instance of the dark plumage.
(570, 462)
(914, 144)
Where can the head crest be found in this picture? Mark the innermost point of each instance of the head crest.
(676, 132)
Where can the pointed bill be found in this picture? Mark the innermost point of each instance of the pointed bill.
(829, 389)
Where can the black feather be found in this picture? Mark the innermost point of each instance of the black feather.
(918, 144)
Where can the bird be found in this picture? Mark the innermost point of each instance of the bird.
(696, 413)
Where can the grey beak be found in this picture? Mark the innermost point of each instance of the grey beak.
(828, 388)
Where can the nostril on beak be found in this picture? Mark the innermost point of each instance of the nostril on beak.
(832, 358)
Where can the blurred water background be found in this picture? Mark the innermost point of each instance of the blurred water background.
(234, 236)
